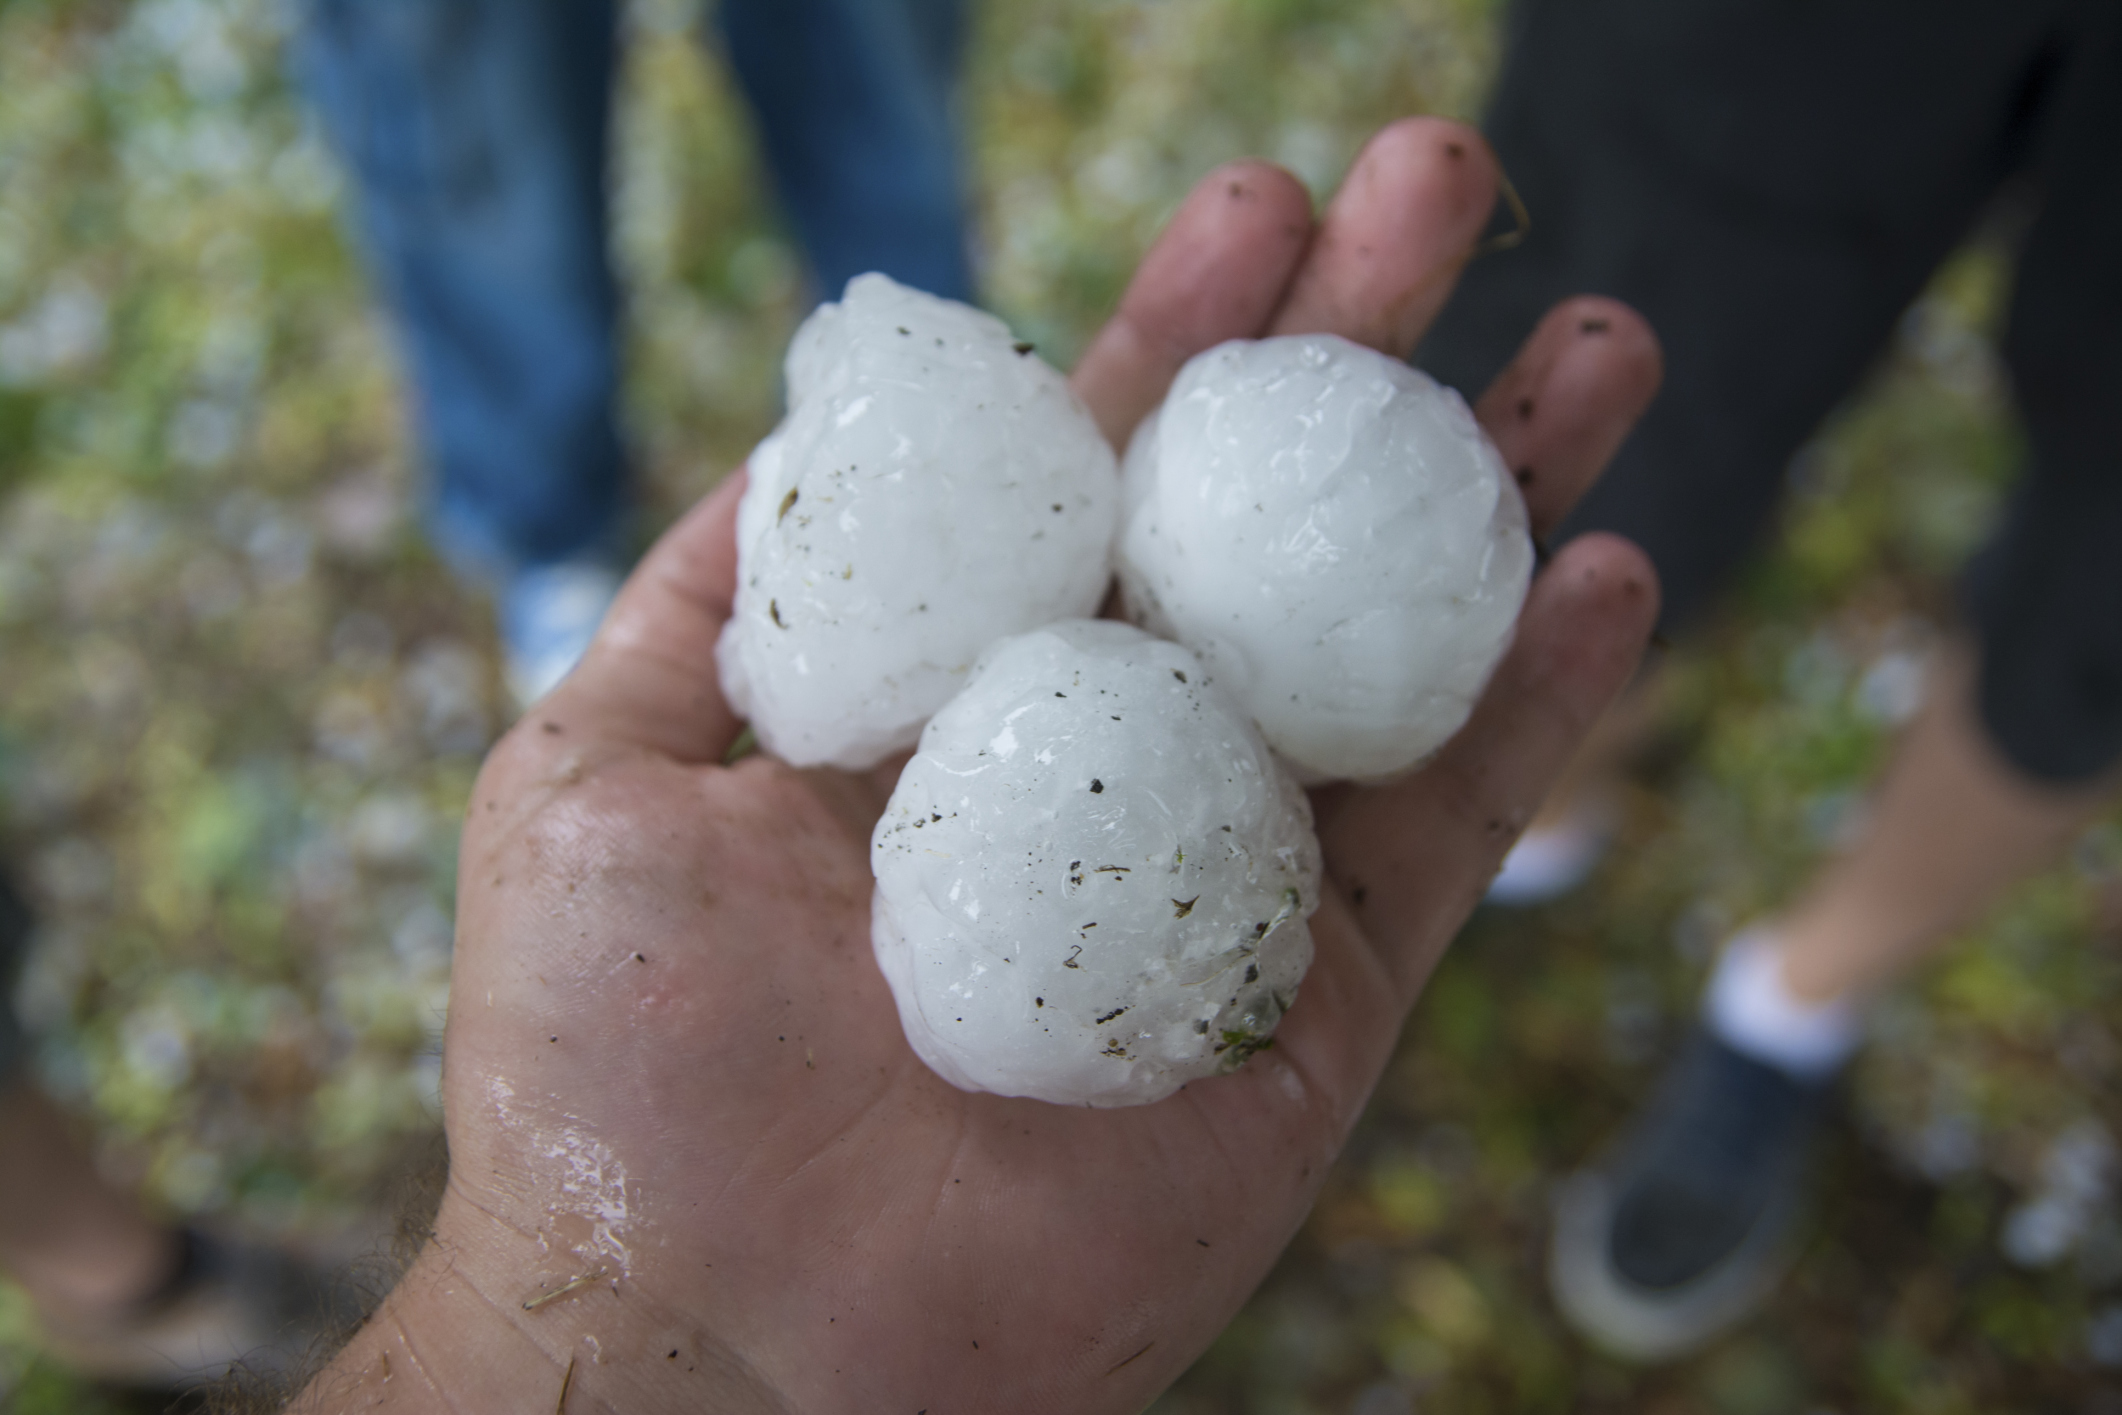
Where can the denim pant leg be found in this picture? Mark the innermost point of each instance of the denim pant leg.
(475, 132)
(14, 942)
(854, 101)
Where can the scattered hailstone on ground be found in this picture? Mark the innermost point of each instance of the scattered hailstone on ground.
(934, 487)
(1093, 878)
(1333, 534)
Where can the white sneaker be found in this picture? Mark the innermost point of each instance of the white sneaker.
(1550, 861)
(549, 613)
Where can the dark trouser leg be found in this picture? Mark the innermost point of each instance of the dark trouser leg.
(2046, 594)
(1770, 185)
(14, 941)
(475, 132)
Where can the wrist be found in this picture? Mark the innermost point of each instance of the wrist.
(493, 1318)
(438, 1340)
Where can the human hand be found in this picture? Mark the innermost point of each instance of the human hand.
(672, 1067)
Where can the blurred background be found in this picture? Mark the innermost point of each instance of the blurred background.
(241, 705)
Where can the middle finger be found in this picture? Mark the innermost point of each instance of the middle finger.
(1395, 236)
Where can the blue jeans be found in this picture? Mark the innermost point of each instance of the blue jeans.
(476, 131)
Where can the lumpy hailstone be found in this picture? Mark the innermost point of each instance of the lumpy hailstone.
(933, 488)
(1331, 531)
(1093, 878)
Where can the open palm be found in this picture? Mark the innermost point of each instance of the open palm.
(694, 1164)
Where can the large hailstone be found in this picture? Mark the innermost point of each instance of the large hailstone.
(1332, 533)
(1093, 878)
(933, 488)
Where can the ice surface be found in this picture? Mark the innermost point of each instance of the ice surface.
(1093, 878)
(1332, 533)
(931, 490)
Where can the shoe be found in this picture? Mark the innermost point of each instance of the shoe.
(1551, 860)
(1687, 1227)
(549, 613)
(228, 1303)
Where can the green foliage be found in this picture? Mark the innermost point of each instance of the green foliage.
(18, 435)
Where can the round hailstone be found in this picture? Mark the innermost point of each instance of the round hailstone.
(1093, 878)
(1332, 533)
(934, 487)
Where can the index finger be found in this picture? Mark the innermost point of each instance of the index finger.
(1217, 272)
